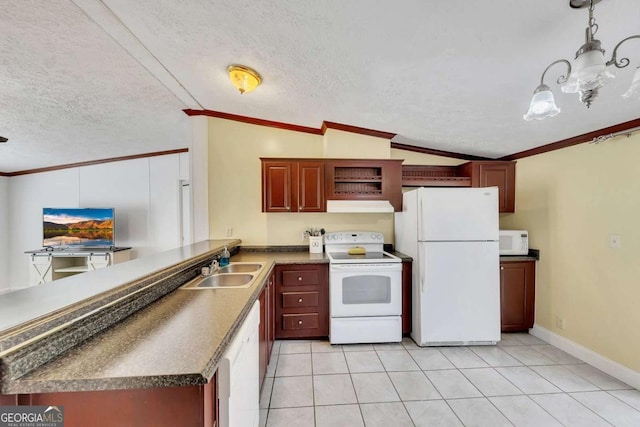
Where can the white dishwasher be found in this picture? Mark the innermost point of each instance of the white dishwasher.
(238, 376)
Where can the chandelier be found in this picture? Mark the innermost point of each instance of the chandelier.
(589, 73)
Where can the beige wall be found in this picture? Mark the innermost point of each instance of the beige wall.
(339, 144)
(235, 183)
(571, 201)
(413, 158)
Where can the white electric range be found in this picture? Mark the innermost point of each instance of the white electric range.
(365, 289)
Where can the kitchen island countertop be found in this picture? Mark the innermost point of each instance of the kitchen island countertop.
(177, 340)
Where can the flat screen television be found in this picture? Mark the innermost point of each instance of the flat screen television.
(78, 227)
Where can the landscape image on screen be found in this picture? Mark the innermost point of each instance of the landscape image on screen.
(78, 227)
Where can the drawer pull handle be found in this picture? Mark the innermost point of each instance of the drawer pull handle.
(299, 299)
(501, 268)
(299, 322)
(299, 278)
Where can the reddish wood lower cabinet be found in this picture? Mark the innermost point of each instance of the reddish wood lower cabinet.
(302, 301)
(406, 296)
(263, 346)
(160, 406)
(267, 326)
(271, 323)
(517, 295)
(8, 399)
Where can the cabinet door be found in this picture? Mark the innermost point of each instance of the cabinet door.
(157, 406)
(40, 269)
(277, 186)
(271, 322)
(407, 267)
(262, 331)
(517, 295)
(501, 174)
(311, 187)
(503, 177)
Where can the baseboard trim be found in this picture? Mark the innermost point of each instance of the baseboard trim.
(616, 370)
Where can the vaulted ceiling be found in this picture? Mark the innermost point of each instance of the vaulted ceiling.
(84, 80)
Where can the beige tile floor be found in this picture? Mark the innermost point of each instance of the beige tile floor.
(523, 381)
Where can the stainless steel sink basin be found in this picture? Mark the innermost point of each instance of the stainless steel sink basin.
(225, 281)
(240, 268)
(234, 275)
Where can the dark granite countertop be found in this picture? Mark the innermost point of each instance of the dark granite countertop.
(177, 340)
(533, 255)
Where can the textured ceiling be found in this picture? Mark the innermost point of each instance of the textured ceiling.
(86, 79)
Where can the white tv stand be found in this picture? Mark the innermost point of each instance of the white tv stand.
(46, 265)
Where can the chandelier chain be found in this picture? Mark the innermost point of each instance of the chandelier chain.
(592, 20)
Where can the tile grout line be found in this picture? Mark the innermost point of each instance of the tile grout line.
(394, 386)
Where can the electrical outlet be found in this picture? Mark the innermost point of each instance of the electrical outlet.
(615, 241)
(560, 322)
(229, 232)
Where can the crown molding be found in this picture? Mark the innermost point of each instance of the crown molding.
(288, 126)
(437, 152)
(252, 120)
(354, 129)
(587, 137)
(94, 162)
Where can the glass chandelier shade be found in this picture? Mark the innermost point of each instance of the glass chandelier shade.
(590, 73)
(634, 90)
(542, 105)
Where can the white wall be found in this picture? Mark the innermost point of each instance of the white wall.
(144, 193)
(4, 232)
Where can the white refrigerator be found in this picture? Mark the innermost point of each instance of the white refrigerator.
(452, 236)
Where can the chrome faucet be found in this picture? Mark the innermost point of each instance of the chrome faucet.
(209, 270)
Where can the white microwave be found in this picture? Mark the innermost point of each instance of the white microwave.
(514, 242)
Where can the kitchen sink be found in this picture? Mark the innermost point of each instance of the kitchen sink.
(234, 275)
(235, 267)
(225, 281)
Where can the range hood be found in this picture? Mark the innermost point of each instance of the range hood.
(359, 206)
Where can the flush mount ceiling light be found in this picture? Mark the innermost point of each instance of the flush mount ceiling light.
(590, 72)
(243, 78)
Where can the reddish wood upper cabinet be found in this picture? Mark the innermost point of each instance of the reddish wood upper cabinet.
(302, 301)
(290, 185)
(365, 180)
(494, 173)
(517, 295)
(304, 185)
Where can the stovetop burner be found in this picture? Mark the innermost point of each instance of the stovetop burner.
(339, 244)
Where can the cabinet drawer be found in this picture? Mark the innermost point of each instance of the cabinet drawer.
(300, 321)
(300, 278)
(299, 299)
